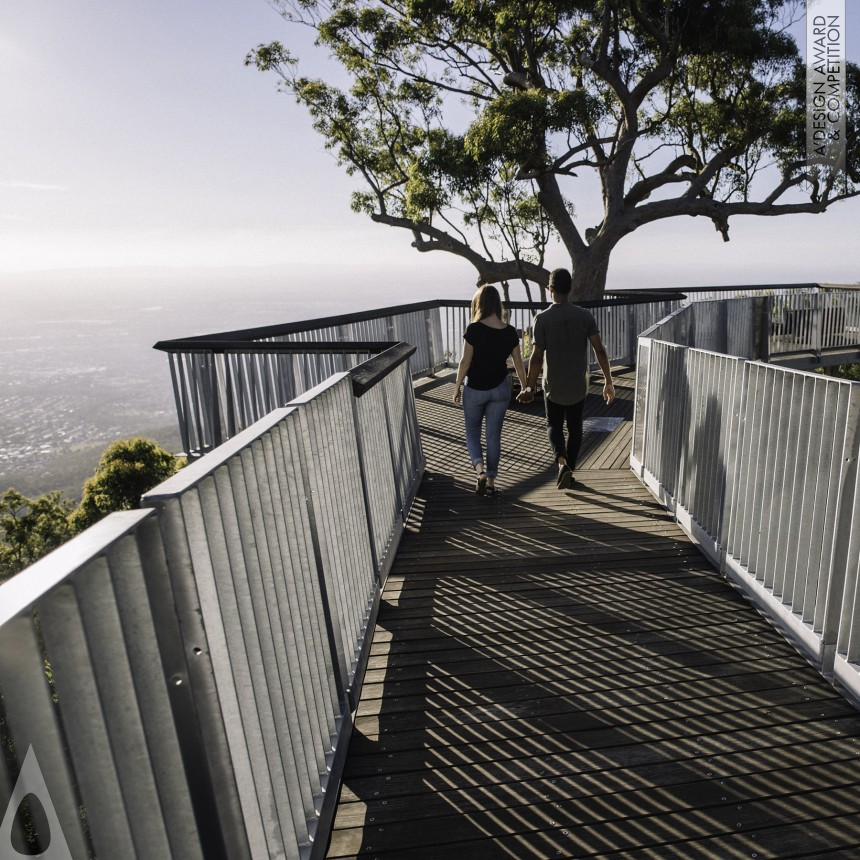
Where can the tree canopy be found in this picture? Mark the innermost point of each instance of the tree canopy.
(127, 469)
(31, 528)
(476, 126)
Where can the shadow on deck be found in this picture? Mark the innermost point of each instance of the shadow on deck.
(564, 675)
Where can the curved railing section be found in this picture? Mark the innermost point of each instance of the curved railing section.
(225, 382)
(759, 462)
(184, 675)
(796, 328)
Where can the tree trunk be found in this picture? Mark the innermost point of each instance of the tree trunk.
(528, 289)
(589, 273)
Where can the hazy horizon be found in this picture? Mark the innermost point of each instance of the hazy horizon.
(77, 367)
(155, 187)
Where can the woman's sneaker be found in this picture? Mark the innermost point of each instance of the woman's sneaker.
(565, 477)
(481, 484)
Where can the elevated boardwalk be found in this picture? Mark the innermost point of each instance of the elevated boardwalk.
(565, 675)
(551, 675)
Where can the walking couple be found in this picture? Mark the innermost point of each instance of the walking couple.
(561, 335)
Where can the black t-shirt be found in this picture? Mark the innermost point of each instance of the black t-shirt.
(491, 346)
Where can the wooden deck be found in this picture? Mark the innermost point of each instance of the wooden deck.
(564, 675)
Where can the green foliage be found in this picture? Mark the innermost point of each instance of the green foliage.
(31, 528)
(514, 126)
(848, 371)
(127, 469)
(468, 123)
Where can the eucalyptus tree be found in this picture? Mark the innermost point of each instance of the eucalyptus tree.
(31, 528)
(126, 470)
(484, 129)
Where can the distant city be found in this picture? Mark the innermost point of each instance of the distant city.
(70, 388)
(77, 368)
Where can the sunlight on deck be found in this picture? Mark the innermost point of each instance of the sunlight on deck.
(543, 681)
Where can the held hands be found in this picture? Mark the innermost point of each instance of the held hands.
(525, 397)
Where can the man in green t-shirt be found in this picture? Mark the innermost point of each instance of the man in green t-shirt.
(561, 337)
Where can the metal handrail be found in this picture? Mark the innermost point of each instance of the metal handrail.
(216, 343)
(759, 463)
(250, 335)
(226, 381)
(204, 655)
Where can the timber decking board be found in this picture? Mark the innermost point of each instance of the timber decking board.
(562, 674)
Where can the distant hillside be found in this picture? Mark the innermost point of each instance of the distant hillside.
(66, 468)
(77, 368)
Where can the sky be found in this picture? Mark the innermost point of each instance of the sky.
(136, 142)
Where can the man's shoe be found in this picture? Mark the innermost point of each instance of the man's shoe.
(565, 478)
(481, 484)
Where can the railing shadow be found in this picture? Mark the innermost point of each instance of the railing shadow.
(516, 703)
(544, 683)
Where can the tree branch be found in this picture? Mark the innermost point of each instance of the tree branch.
(552, 201)
(710, 170)
(719, 212)
(559, 165)
(489, 271)
(642, 189)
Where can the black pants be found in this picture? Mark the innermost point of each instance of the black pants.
(556, 415)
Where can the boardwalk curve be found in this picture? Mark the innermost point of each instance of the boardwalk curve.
(565, 675)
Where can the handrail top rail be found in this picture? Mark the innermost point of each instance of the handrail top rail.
(371, 372)
(645, 295)
(655, 334)
(700, 350)
(611, 299)
(305, 325)
(21, 591)
(825, 378)
(725, 288)
(225, 340)
(221, 344)
(647, 333)
(201, 468)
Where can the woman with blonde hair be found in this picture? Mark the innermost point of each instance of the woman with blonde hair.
(488, 342)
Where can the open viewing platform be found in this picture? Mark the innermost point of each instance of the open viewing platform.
(316, 641)
(564, 674)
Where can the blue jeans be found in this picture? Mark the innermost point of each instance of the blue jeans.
(478, 405)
